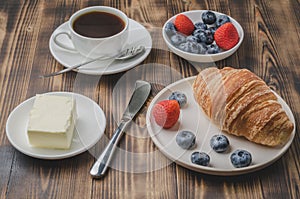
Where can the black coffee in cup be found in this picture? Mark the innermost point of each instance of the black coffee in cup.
(97, 24)
(96, 31)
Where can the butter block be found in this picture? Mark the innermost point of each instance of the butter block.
(52, 122)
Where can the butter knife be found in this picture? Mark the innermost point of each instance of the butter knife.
(137, 100)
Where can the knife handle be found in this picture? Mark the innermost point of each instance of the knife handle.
(100, 166)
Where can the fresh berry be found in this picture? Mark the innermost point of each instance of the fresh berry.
(184, 25)
(192, 38)
(166, 113)
(222, 19)
(208, 17)
(226, 36)
(186, 139)
(241, 158)
(179, 97)
(209, 37)
(190, 47)
(212, 29)
(201, 35)
(177, 39)
(219, 143)
(202, 48)
(206, 37)
(170, 28)
(200, 26)
(197, 32)
(200, 158)
(213, 49)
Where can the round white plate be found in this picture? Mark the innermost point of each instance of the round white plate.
(89, 128)
(138, 35)
(192, 118)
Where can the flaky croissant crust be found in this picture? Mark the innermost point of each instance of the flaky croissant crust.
(241, 103)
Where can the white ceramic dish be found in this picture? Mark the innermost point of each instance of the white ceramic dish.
(90, 127)
(138, 35)
(192, 118)
(195, 16)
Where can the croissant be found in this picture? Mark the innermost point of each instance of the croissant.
(240, 103)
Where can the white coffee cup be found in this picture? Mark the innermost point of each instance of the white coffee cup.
(95, 47)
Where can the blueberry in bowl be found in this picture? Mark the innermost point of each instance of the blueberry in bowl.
(170, 29)
(191, 47)
(200, 26)
(206, 37)
(201, 29)
(177, 39)
(213, 49)
(208, 17)
(222, 19)
(192, 38)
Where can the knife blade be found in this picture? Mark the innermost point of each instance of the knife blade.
(137, 100)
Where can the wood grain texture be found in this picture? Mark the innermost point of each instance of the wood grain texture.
(271, 49)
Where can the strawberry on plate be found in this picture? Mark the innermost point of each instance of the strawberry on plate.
(166, 113)
(226, 36)
(184, 25)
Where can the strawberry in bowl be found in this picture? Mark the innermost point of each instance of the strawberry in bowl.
(203, 35)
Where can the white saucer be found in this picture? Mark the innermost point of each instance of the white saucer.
(192, 118)
(138, 35)
(90, 127)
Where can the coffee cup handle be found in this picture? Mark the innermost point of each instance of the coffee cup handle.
(62, 45)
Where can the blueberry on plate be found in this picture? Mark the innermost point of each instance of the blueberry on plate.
(208, 17)
(241, 158)
(179, 97)
(219, 143)
(177, 39)
(200, 26)
(200, 158)
(186, 139)
(222, 19)
(213, 49)
(170, 28)
(190, 47)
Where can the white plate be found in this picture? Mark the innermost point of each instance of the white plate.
(90, 127)
(195, 16)
(192, 118)
(138, 35)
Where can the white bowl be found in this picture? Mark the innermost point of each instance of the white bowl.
(195, 16)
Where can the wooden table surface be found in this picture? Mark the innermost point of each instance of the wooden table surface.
(271, 49)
